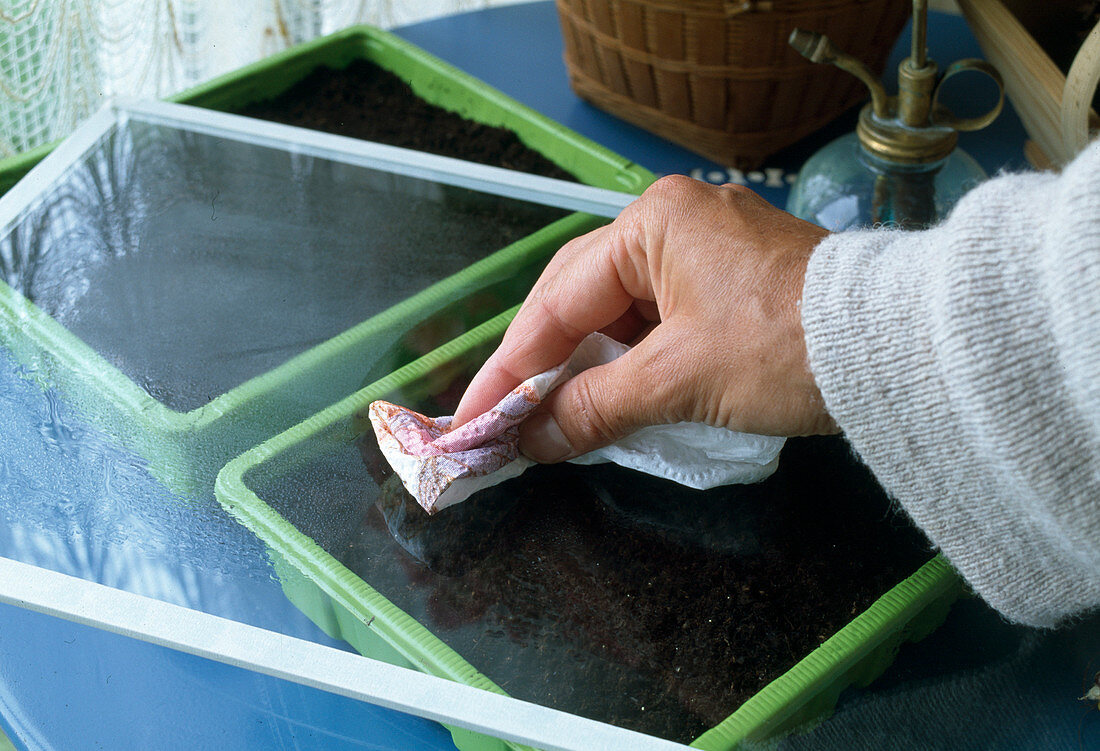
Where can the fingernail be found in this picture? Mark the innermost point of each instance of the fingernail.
(541, 439)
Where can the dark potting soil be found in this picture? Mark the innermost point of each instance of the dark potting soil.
(633, 600)
(368, 102)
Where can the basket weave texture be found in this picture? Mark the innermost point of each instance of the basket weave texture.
(717, 76)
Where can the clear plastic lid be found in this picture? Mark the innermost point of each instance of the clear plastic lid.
(195, 250)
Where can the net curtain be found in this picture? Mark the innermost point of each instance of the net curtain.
(60, 58)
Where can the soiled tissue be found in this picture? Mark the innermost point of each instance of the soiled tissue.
(441, 467)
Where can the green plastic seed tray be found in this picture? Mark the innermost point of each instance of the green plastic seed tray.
(710, 617)
(432, 79)
(194, 281)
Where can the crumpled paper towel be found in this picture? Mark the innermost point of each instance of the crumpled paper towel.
(441, 467)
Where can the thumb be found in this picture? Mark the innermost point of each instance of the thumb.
(598, 407)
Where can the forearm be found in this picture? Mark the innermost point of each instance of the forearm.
(963, 364)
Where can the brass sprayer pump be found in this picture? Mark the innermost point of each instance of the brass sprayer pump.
(905, 141)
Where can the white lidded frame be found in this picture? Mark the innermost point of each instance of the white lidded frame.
(236, 643)
(441, 169)
(225, 640)
(182, 444)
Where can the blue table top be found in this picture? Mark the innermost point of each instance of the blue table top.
(518, 50)
(975, 683)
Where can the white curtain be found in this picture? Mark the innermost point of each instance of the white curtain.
(60, 58)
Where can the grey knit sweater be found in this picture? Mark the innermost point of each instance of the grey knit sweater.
(963, 364)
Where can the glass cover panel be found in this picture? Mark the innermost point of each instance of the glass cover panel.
(599, 590)
(193, 262)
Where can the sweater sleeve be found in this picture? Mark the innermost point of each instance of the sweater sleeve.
(963, 364)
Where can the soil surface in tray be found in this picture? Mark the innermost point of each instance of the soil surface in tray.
(348, 102)
(637, 601)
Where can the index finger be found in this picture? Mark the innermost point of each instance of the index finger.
(581, 291)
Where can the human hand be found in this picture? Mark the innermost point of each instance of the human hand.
(706, 281)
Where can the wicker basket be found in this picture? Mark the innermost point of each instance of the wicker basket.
(717, 76)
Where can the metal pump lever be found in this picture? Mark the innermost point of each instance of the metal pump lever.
(912, 127)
